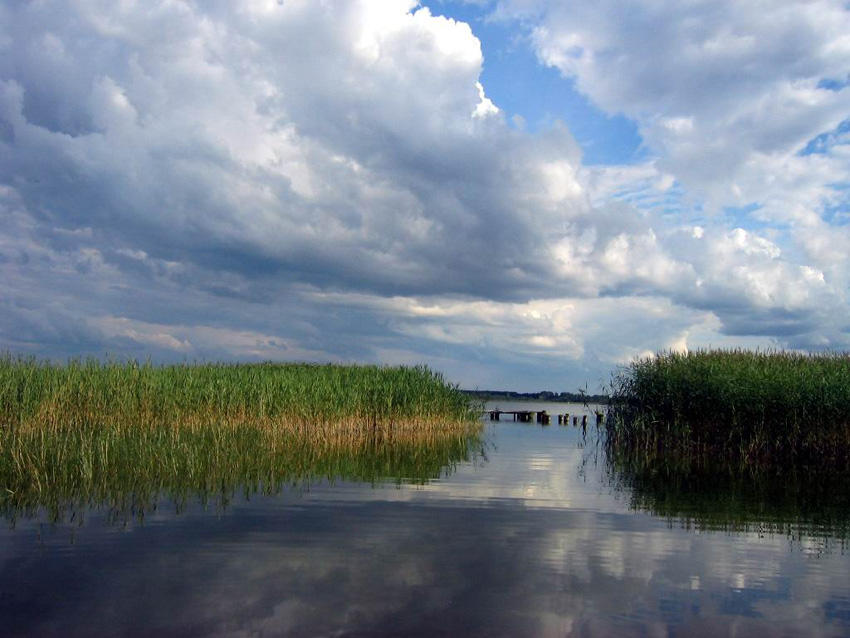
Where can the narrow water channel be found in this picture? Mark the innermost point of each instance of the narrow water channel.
(535, 536)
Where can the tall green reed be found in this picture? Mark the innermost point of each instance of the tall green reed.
(41, 392)
(108, 432)
(751, 405)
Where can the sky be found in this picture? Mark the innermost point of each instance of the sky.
(522, 194)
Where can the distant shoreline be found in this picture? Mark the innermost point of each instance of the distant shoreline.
(544, 396)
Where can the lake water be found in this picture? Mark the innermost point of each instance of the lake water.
(537, 536)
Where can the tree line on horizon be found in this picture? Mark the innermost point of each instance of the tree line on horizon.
(545, 395)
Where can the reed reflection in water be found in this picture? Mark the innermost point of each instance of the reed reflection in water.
(127, 472)
(807, 504)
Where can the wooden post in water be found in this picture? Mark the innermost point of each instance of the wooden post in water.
(565, 419)
(584, 421)
(598, 418)
(575, 420)
(544, 417)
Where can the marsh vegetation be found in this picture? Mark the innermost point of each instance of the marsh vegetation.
(747, 406)
(121, 435)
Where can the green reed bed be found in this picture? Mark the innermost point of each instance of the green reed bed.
(121, 434)
(736, 404)
(86, 391)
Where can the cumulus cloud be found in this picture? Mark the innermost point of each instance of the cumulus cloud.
(366, 155)
(305, 180)
(728, 93)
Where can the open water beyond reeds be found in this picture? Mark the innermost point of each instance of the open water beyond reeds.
(537, 531)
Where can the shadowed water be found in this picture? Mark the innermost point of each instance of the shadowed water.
(539, 536)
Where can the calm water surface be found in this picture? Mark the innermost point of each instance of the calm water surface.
(537, 537)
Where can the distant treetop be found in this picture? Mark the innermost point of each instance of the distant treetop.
(545, 395)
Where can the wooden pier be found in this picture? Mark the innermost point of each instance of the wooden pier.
(542, 417)
(522, 416)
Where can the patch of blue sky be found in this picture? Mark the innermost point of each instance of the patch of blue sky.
(649, 199)
(748, 218)
(837, 211)
(822, 143)
(838, 215)
(519, 84)
(644, 194)
(673, 205)
(831, 84)
(742, 211)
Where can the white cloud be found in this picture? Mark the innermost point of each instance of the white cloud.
(485, 106)
(727, 92)
(331, 181)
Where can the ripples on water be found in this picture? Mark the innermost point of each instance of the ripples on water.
(539, 536)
